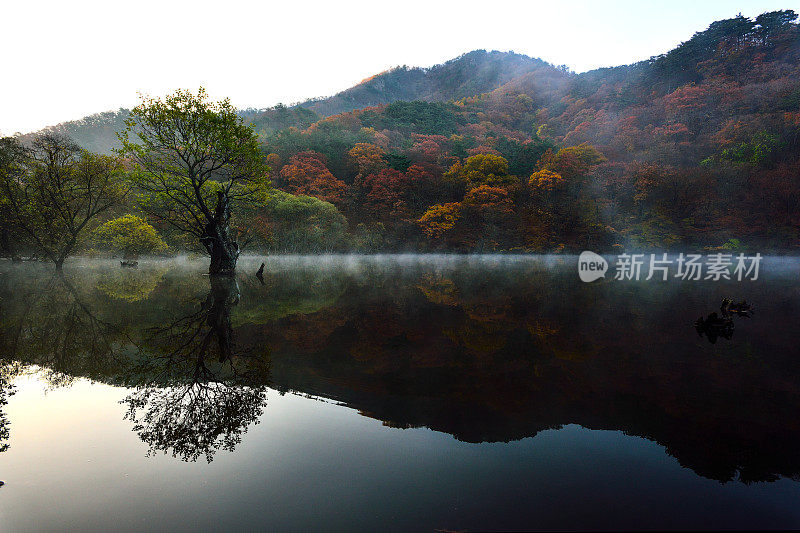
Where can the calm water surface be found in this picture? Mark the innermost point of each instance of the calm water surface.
(393, 393)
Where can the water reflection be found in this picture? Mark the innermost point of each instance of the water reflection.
(196, 390)
(6, 390)
(722, 325)
(482, 350)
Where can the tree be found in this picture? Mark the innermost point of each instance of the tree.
(481, 169)
(307, 174)
(773, 22)
(440, 219)
(12, 156)
(573, 162)
(194, 159)
(367, 158)
(55, 190)
(384, 194)
(298, 224)
(129, 235)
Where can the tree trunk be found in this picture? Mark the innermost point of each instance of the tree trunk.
(223, 296)
(222, 248)
(6, 244)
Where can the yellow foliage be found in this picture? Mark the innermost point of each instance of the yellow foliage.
(546, 180)
(439, 219)
(368, 158)
(481, 169)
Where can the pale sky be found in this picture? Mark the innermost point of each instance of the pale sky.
(66, 59)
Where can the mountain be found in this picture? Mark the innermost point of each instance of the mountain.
(473, 73)
(695, 149)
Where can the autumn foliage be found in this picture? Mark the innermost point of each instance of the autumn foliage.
(689, 149)
(307, 174)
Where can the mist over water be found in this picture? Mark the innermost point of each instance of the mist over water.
(435, 391)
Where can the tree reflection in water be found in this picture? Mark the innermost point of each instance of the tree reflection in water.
(197, 393)
(51, 323)
(483, 353)
(196, 390)
(6, 390)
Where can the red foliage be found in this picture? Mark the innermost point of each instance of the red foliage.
(307, 174)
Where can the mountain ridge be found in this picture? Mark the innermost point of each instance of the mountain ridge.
(469, 74)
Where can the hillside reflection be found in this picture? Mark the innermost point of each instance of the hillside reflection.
(482, 350)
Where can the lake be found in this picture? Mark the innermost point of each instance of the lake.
(394, 393)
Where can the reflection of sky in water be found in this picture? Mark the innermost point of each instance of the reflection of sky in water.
(75, 463)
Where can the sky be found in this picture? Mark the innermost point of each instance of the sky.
(66, 59)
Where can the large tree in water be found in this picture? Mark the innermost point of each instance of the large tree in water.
(194, 159)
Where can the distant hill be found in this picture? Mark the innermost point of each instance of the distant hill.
(473, 73)
(467, 75)
(96, 133)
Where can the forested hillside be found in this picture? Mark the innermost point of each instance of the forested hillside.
(694, 149)
(470, 74)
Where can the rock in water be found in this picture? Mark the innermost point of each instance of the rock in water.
(260, 274)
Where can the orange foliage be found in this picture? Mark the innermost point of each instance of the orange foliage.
(307, 174)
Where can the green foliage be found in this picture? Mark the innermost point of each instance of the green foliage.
(195, 160)
(523, 156)
(414, 117)
(757, 151)
(280, 118)
(397, 161)
(54, 191)
(734, 245)
(327, 138)
(299, 224)
(368, 238)
(790, 102)
(187, 150)
(129, 235)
